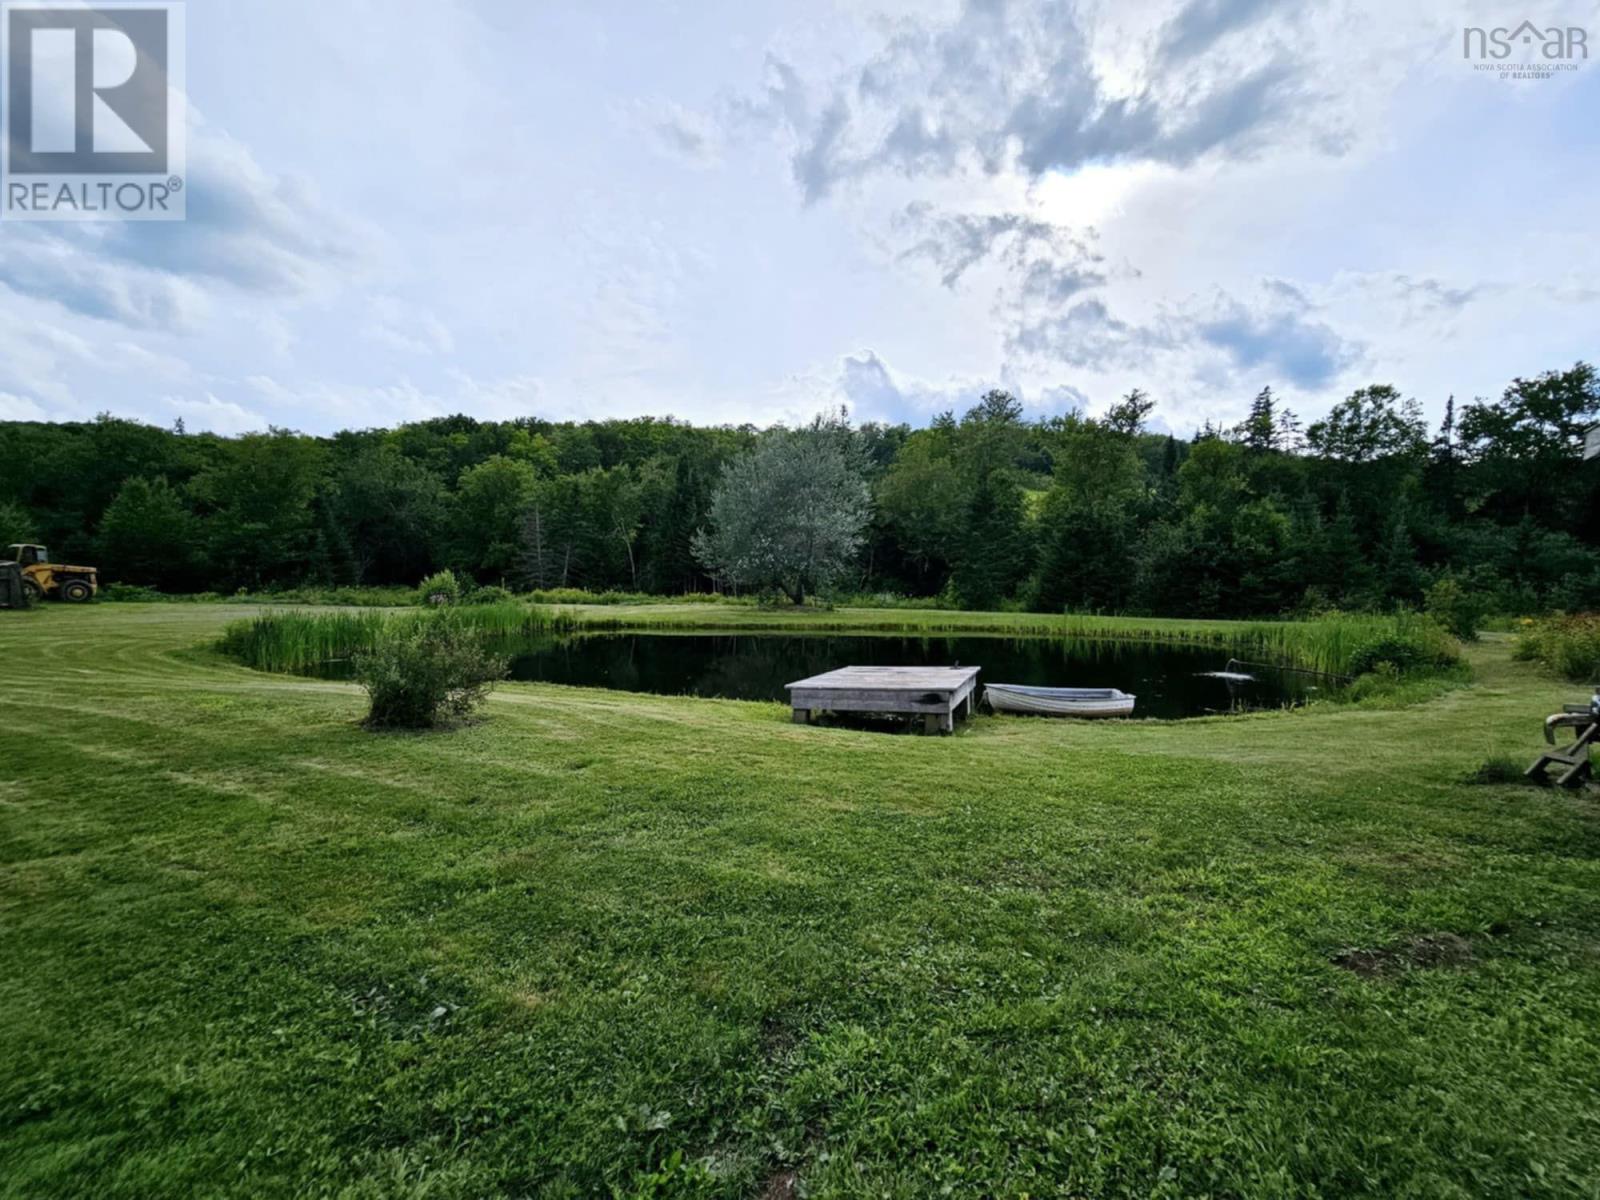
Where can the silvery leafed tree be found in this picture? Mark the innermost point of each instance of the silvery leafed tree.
(790, 514)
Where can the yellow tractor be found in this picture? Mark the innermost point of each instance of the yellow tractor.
(42, 578)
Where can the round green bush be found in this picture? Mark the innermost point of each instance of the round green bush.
(425, 671)
(1403, 655)
(439, 589)
(1459, 609)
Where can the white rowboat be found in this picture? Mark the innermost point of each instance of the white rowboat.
(1059, 702)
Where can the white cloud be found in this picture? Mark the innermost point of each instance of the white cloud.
(247, 228)
(73, 272)
(679, 132)
(216, 416)
(1065, 198)
(402, 326)
(356, 405)
(1004, 88)
(247, 231)
(20, 408)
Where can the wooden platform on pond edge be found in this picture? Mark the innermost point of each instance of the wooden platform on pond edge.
(934, 693)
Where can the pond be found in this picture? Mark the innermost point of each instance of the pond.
(1170, 681)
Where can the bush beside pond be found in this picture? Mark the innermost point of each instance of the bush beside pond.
(423, 673)
(1423, 649)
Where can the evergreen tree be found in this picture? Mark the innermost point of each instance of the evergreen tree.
(669, 527)
(1169, 458)
(1341, 567)
(993, 545)
(1259, 430)
(1399, 578)
(1085, 561)
(1443, 476)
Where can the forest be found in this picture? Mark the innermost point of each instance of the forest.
(1367, 508)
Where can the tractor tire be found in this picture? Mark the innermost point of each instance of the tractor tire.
(32, 592)
(76, 591)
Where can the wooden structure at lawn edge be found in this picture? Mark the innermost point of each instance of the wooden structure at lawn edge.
(935, 694)
(1584, 720)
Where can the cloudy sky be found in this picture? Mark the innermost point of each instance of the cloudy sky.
(746, 211)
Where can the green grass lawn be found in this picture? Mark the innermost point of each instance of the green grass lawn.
(613, 944)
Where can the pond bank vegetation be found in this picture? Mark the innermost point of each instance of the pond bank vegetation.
(1334, 644)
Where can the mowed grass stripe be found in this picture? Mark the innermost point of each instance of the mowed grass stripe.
(1035, 957)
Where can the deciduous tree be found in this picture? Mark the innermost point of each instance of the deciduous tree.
(790, 515)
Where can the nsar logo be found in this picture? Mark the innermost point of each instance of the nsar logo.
(1543, 51)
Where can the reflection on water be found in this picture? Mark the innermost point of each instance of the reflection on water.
(1170, 681)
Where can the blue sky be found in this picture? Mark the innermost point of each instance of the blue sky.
(733, 212)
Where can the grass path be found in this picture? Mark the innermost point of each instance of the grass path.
(651, 946)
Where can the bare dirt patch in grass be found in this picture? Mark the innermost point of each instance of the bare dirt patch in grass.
(1429, 951)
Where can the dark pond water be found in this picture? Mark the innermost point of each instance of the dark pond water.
(1168, 680)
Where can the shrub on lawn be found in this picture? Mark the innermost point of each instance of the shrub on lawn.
(423, 672)
(1456, 608)
(493, 594)
(1419, 649)
(439, 589)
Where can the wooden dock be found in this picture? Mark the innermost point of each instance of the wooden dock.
(935, 694)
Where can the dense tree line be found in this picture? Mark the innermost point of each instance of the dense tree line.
(1366, 508)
